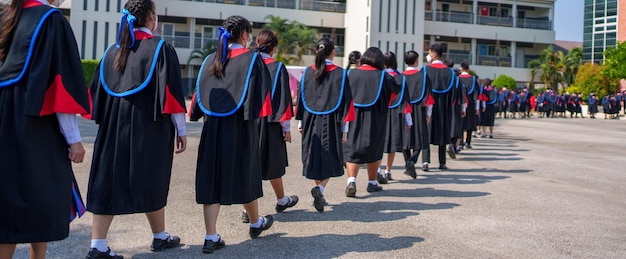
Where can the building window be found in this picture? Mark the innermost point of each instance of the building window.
(97, 4)
(95, 40)
(367, 24)
(85, 4)
(119, 5)
(82, 42)
(108, 5)
(106, 35)
(388, 16)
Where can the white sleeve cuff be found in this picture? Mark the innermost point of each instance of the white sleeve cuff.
(429, 110)
(178, 119)
(286, 126)
(484, 104)
(345, 127)
(464, 107)
(478, 105)
(408, 119)
(69, 127)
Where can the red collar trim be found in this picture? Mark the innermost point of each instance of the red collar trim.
(268, 61)
(237, 52)
(437, 65)
(140, 35)
(366, 67)
(410, 72)
(329, 68)
(31, 3)
(393, 73)
(465, 76)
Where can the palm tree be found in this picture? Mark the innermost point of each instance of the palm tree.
(534, 66)
(572, 62)
(201, 54)
(294, 39)
(306, 39)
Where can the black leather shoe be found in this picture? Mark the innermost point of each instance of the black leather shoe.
(381, 179)
(443, 167)
(318, 199)
(410, 170)
(388, 177)
(293, 200)
(425, 167)
(210, 246)
(267, 223)
(244, 217)
(95, 254)
(451, 152)
(351, 189)
(160, 245)
(374, 187)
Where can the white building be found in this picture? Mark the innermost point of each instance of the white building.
(495, 36)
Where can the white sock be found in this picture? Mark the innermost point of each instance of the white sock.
(351, 180)
(380, 172)
(372, 182)
(387, 172)
(425, 163)
(283, 201)
(215, 237)
(258, 223)
(163, 235)
(321, 188)
(101, 245)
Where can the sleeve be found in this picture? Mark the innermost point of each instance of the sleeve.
(348, 103)
(429, 110)
(286, 125)
(171, 94)
(195, 113)
(263, 89)
(393, 84)
(69, 127)
(408, 119)
(178, 119)
(97, 98)
(284, 109)
(60, 86)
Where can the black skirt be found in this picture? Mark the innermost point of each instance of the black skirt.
(365, 142)
(273, 150)
(396, 132)
(487, 118)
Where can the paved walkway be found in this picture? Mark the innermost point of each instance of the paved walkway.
(542, 188)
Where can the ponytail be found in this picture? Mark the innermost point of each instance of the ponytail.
(324, 48)
(12, 15)
(135, 13)
(232, 29)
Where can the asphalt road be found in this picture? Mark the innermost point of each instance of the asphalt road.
(542, 188)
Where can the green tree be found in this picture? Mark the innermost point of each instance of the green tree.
(615, 67)
(294, 39)
(591, 78)
(535, 67)
(571, 63)
(201, 54)
(504, 80)
(550, 66)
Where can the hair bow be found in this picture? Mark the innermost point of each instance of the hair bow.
(127, 17)
(224, 36)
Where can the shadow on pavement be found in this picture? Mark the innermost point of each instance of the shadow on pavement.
(428, 192)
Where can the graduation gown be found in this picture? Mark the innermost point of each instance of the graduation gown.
(371, 90)
(592, 104)
(446, 95)
(272, 142)
(468, 82)
(397, 137)
(40, 76)
(489, 96)
(134, 147)
(229, 159)
(457, 111)
(323, 108)
(419, 97)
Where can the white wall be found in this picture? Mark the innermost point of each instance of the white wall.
(488, 32)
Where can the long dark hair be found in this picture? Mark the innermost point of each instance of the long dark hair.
(373, 57)
(324, 48)
(353, 58)
(12, 16)
(266, 41)
(391, 60)
(232, 29)
(136, 14)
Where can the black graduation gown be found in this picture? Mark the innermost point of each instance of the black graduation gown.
(468, 82)
(592, 104)
(457, 111)
(540, 102)
(487, 117)
(446, 95)
(41, 75)
(371, 90)
(397, 136)
(419, 97)
(134, 147)
(322, 108)
(273, 146)
(229, 160)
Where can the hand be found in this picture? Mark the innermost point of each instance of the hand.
(463, 114)
(484, 109)
(300, 130)
(287, 136)
(344, 138)
(427, 119)
(477, 112)
(181, 144)
(77, 152)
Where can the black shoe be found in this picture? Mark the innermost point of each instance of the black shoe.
(267, 223)
(95, 254)
(381, 179)
(374, 187)
(443, 167)
(425, 167)
(490, 136)
(468, 146)
(458, 150)
(318, 199)
(410, 170)
(388, 176)
(293, 200)
(451, 152)
(210, 246)
(351, 189)
(244, 218)
(160, 245)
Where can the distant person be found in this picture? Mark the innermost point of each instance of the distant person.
(592, 107)
(471, 87)
(488, 97)
(353, 60)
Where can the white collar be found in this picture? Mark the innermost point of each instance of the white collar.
(44, 2)
(235, 46)
(464, 73)
(329, 62)
(412, 68)
(144, 29)
(389, 70)
(437, 62)
(265, 55)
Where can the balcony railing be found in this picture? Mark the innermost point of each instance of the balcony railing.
(311, 5)
(457, 58)
(493, 61)
(468, 18)
(178, 41)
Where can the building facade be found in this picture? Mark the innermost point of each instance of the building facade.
(604, 27)
(494, 36)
